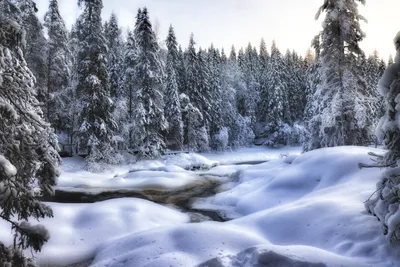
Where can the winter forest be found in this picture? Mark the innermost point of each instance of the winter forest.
(136, 150)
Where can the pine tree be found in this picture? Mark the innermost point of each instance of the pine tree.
(59, 64)
(36, 47)
(262, 109)
(172, 104)
(342, 118)
(115, 68)
(249, 65)
(97, 127)
(385, 202)
(197, 86)
(214, 91)
(28, 156)
(372, 74)
(149, 75)
(128, 89)
(278, 111)
(112, 33)
(196, 132)
(239, 127)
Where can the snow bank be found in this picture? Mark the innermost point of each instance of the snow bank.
(185, 245)
(191, 161)
(287, 256)
(303, 211)
(77, 230)
(166, 174)
(252, 154)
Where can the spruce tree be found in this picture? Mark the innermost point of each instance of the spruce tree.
(115, 68)
(149, 91)
(112, 33)
(96, 125)
(172, 104)
(278, 106)
(59, 73)
(128, 89)
(342, 110)
(35, 49)
(262, 107)
(28, 157)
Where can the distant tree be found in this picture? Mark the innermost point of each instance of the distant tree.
(28, 156)
(96, 125)
(248, 63)
(372, 71)
(59, 70)
(115, 69)
(172, 103)
(197, 135)
(129, 90)
(278, 116)
(149, 91)
(114, 42)
(262, 109)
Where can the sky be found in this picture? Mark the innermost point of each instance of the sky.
(291, 23)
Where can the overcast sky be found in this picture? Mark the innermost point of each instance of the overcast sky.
(225, 22)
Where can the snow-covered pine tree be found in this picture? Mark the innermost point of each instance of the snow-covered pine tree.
(115, 68)
(130, 50)
(249, 66)
(96, 125)
(312, 113)
(372, 73)
(196, 132)
(114, 42)
(296, 86)
(149, 91)
(196, 87)
(342, 118)
(172, 104)
(201, 92)
(215, 95)
(28, 156)
(262, 106)
(276, 126)
(35, 49)
(180, 71)
(385, 202)
(59, 64)
(239, 127)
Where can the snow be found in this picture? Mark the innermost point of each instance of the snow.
(185, 245)
(78, 230)
(8, 169)
(299, 211)
(293, 210)
(250, 154)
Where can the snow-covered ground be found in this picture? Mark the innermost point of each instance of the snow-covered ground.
(294, 210)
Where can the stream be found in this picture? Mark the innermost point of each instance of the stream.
(180, 199)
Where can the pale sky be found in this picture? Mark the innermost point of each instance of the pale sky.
(290, 23)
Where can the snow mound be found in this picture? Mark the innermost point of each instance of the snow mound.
(252, 154)
(185, 245)
(78, 230)
(191, 161)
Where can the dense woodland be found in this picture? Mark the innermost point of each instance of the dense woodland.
(103, 91)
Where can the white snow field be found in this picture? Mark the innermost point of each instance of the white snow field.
(292, 211)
